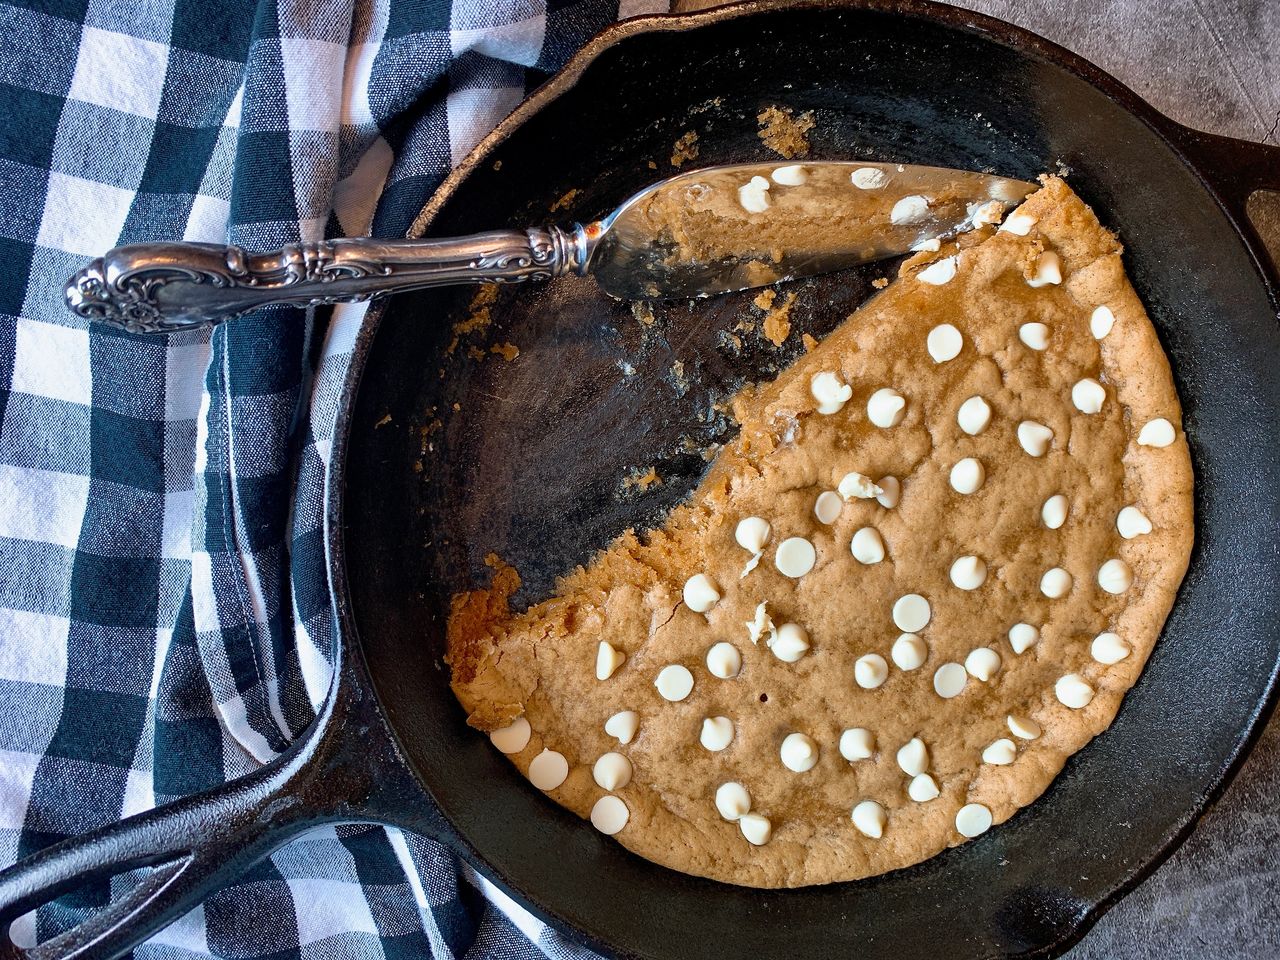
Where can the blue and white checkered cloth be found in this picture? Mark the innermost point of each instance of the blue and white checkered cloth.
(164, 620)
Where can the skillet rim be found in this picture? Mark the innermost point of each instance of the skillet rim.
(1173, 135)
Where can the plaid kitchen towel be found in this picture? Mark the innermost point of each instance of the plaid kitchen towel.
(164, 619)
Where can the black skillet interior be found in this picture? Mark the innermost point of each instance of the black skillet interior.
(528, 459)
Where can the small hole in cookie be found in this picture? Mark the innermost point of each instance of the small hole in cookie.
(764, 698)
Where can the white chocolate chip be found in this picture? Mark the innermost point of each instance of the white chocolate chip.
(1088, 395)
(982, 663)
(1157, 433)
(922, 788)
(724, 660)
(1048, 269)
(761, 623)
(890, 492)
(981, 214)
(1132, 522)
(612, 771)
(857, 743)
(1115, 576)
(608, 660)
(909, 652)
(548, 770)
(792, 175)
(513, 738)
(799, 752)
(752, 533)
(755, 828)
(911, 613)
(1101, 322)
(1024, 728)
(973, 820)
(1001, 753)
(1018, 223)
(1034, 335)
(790, 642)
(867, 546)
(754, 195)
(968, 476)
(795, 557)
(717, 733)
(1034, 437)
(974, 415)
(949, 679)
(674, 682)
(1054, 511)
(1108, 648)
(868, 178)
(932, 245)
(855, 486)
(623, 726)
(1073, 691)
(944, 341)
(870, 671)
(913, 757)
(1056, 583)
(886, 408)
(869, 818)
(936, 274)
(969, 573)
(609, 815)
(732, 801)
(827, 507)
(751, 564)
(700, 593)
(1022, 636)
(830, 392)
(909, 210)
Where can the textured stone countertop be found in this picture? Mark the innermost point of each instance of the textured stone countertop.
(1215, 65)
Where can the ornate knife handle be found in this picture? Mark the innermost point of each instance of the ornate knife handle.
(164, 287)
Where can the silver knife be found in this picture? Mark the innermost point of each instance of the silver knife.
(696, 234)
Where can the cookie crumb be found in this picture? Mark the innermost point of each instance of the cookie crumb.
(777, 319)
(678, 378)
(507, 351)
(880, 282)
(685, 149)
(642, 310)
(564, 202)
(383, 422)
(785, 133)
(810, 344)
(479, 318)
(640, 479)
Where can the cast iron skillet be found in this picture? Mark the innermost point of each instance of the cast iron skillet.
(530, 467)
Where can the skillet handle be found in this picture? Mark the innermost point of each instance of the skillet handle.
(195, 846)
(1234, 168)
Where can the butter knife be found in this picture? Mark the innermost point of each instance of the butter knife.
(696, 234)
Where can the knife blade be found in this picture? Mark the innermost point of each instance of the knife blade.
(738, 226)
